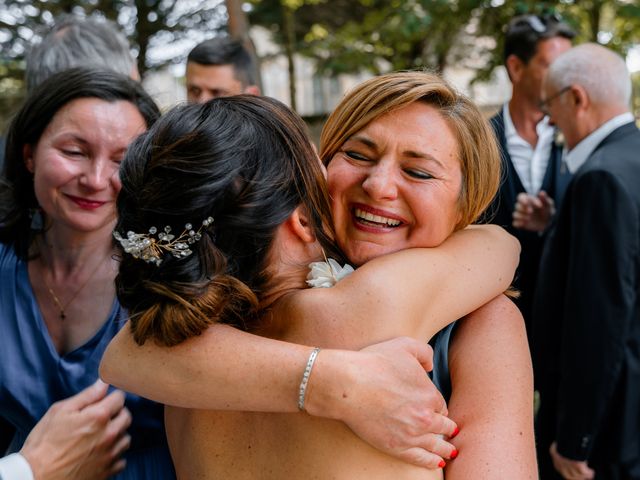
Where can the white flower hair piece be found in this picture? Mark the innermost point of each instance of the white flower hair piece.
(326, 274)
(151, 249)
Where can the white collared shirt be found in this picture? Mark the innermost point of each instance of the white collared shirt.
(576, 157)
(530, 163)
(15, 467)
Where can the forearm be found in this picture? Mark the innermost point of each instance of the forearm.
(222, 369)
(419, 291)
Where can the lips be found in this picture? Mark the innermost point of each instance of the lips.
(369, 218)
(85, 203)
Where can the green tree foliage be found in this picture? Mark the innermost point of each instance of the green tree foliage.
(346, 36)
(148, 24)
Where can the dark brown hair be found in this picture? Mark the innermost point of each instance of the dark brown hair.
(245, 161)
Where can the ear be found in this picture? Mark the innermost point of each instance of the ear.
(580, 97)
(252, 90)
(300, 226)
(27, 155)
(514, 68)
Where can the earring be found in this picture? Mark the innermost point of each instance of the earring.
(37, 222)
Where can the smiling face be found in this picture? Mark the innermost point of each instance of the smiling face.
(396, 184)
(75, 162)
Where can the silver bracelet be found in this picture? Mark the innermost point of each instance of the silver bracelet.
(302, 392)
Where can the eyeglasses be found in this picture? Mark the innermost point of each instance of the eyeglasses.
(543, 105)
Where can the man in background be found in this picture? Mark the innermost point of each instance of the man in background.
(531, 158)
(79, 42)
(586, 323)
(220, 67)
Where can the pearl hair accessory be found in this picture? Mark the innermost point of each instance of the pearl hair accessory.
(151, 249)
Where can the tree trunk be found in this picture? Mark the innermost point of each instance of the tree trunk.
(238, 27)
(290, 38)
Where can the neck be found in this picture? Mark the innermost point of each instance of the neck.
(525, 113)
(65, 252)
(598, 117)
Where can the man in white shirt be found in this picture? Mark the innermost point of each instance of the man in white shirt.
(586, 316)
(532, 163)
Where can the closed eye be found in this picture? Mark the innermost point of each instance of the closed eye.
(419, 174)
(356, 155)
(72, 153)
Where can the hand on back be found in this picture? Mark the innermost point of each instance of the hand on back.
(389, 401)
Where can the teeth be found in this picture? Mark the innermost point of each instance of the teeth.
(376, 218)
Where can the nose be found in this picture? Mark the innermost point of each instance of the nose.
(99, 173)
(381, 183)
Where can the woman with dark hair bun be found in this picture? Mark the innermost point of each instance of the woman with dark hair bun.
(223, 208)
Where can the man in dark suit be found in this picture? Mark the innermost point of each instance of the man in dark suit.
(533, 170)
(586, 329)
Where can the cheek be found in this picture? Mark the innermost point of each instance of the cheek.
(340, 177)
(116, 183)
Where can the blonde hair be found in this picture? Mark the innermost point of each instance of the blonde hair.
(477, 148)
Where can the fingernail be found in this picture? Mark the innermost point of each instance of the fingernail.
(441, 464)
(455, 432)
(454, 454)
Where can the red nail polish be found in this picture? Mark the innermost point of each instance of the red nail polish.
(455, 432)
(441, 464)
(454, 454)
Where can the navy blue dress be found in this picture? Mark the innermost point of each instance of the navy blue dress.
(33, 375)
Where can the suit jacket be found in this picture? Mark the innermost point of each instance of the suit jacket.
(586, 329)
(500, 212)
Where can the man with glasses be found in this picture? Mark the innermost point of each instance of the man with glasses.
(586, 314)
(534, 175)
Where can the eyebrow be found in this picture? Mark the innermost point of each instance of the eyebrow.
(408, 153)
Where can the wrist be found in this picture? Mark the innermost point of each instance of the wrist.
(30, 458)
(328, 389)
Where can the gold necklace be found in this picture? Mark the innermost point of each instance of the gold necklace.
(55, 298)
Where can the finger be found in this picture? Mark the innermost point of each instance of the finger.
(536, 203)
(108, 407)
(117, 467)
(438, 445)
(421, 350)
(522, 198)
(422, 458)
(120, 423)
(586, 472)
(121, 446)
(88, 396)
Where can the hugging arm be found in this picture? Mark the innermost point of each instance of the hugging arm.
(414, 292)
(207, 372)
(204, 371)
(492, 396)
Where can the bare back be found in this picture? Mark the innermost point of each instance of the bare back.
(216, 444)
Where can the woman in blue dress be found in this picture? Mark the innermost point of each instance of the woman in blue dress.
(58, 308)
